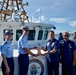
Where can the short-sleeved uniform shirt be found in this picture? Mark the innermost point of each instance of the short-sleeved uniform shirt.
(60, 38)
(74, 40)
(50, 45)
(67, 49)
(7, 49)
(22, 43)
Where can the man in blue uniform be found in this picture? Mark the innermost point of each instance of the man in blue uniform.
(67, 48)
(51, 49)
(7, 54)
(74, 63)
(24, 50)
(60, 37)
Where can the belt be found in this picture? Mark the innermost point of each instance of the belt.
(10, 58)
(23, 54)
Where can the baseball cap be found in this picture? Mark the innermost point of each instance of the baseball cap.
(8, 32)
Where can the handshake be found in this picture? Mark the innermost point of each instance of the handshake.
(43, 54)
(40, 51)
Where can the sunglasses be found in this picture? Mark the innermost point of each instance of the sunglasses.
(26, 30)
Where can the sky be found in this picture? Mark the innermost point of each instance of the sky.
(61, 13)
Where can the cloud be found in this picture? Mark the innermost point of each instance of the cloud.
(37, 20)
(34, 19)
(59, 20)
(42, 19)
(64, 20)
(56, 20)
(73, 23)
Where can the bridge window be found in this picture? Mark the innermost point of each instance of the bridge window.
(40, 34)
(18, 34)
(31, 35)
(45, 35)
(4, 32)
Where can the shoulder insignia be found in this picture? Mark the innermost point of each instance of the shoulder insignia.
(4, 43)
(22, 36)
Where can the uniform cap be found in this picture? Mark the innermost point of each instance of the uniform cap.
(8, 32)
(25, 28)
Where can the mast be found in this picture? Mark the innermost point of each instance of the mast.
(13, 10)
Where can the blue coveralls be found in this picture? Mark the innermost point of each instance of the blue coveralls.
(67, 49)
(23, 58)
(7, 50)
(53, 59)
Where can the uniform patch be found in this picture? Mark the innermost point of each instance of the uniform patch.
(4, 43)
(53, 44)
(48, 43)
(70, 46)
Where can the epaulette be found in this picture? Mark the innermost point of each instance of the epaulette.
(22, 36)
(4, 43)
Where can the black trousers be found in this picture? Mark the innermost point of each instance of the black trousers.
(53, 68)
(74, 70)
(23, 60)
(67, 69)
(10, 62)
